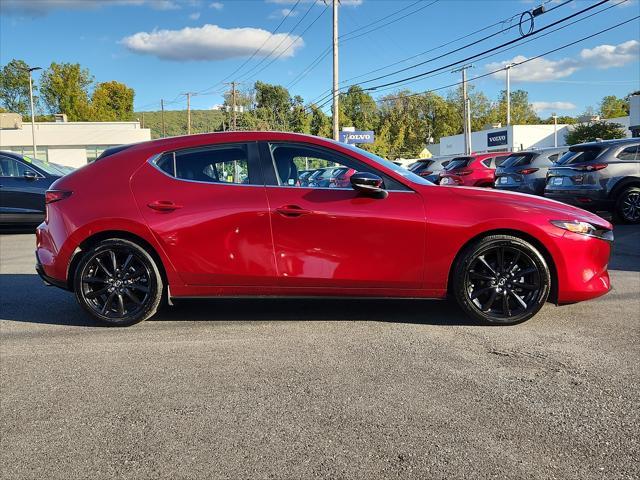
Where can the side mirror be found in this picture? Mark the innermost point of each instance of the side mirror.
(367, 183)
(30, 175)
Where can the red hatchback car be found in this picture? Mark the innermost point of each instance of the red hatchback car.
(478, 170)
(223, 214)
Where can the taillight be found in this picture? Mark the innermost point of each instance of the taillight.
(591, 168)
(425, 173)
(464, 172)
(527, 171)
(51, 196)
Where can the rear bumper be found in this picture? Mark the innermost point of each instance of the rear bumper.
(46, 278)
(583, 198)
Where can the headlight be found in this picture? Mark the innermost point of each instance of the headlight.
(584, 228)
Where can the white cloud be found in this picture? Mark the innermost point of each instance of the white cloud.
(42, 7)
(194, 16)
(217, 5)
(544, 70)
(283, 12)
(211, 42)
(540, 106)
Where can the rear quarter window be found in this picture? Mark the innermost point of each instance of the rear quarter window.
(630, 154)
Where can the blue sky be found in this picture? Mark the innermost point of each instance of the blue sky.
(162, 48)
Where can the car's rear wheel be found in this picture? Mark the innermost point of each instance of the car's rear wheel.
(501, 279)
(628, 205)
(118, 282)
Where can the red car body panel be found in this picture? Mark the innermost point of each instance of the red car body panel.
(476, 173)
(227, 240)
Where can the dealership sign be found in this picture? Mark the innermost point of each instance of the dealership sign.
(496, 139)
(357, 136)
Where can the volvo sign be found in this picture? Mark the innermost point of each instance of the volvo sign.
(495, 139)
(357, 136)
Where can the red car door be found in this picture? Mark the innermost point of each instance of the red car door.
(331, 237)
(208, 208)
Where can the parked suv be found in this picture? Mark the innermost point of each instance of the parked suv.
(430, 168)
(599, 176)
(526, 172)
(476, 170)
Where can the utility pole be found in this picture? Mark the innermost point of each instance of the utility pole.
(234, 113)
(33, 118)
(336, 110)
(466, 109)
(164, 134)
(188, 94)
(508, 70)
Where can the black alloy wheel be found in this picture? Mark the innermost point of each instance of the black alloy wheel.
(628, 207)
(501, 280)
(118, 282)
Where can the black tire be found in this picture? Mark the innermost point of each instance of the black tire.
(118, 283)
(628, 206)
(492, 287)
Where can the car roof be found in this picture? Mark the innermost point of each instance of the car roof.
(11, 154)
(609, 143)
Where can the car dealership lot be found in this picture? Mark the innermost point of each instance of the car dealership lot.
(254, 389)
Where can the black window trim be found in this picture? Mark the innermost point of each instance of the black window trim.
(253, 163)
(267, 160)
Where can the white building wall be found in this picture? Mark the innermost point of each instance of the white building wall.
(66, 142)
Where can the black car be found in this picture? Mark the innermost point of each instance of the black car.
(526, 171)
(23, 182)
(599, 176)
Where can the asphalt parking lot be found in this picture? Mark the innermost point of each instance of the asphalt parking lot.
(297, 389)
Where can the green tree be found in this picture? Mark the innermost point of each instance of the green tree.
(64, 88)
(14, 87)
(273, 103)
(320, 124)
(358, 109)
(522, 113)
(112, 101)
(612, 107)
(590, 132)
(299, 119)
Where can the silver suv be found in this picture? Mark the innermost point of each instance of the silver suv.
(526, 171)
(599, 176)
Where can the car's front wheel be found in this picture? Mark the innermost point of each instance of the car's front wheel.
(501, 279)
(628, 205)
(118, 282)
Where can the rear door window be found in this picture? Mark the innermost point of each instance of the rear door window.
(579, 155)
(212, 164)
(458, 162)
(629, 154)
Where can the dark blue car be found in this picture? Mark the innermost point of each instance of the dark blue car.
(23, 182)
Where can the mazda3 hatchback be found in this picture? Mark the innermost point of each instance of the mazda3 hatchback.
(224, 215)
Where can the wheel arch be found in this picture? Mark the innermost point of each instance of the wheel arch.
(623, 184)
(115, 234)
(553, 294)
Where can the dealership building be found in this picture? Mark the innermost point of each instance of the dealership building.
(72, 144)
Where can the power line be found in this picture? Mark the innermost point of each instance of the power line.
(463, 47)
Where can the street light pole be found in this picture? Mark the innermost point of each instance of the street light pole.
(33, 116)
(508, 70)
(555, 130)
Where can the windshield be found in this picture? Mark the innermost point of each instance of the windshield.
(457, 163)
(420, 166)
(518, 160)
(390, 165)
(579, 155)
(47, 167)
